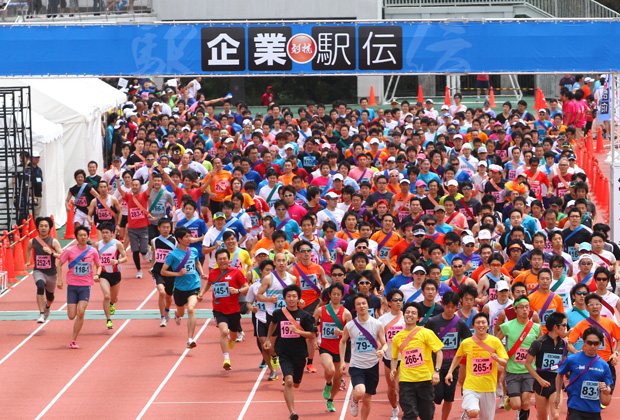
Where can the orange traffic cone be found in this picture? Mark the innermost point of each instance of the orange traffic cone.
(600, 148)
(93, 232)
(537, 100)
(32, 230)
(492, 98)
(447, 98)
(543, 101)
(18, 255)
(9, 264)
(25, 235)
(589, 143)
(371, 98)
(420, 95)
(54, 233)
(69, 228)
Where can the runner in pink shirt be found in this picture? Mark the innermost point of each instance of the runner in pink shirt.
(80, 277)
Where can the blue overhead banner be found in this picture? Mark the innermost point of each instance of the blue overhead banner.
(310, 48)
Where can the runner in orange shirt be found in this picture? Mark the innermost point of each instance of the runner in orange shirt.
(530, 277)
(219, 185)
(387, 239)
(544, 300)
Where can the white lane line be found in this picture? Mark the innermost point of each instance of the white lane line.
(249, 400)
(5, 358)
(167, 378)
(92, 359)
(345, 406)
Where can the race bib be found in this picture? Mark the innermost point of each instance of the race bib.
(328, 331)
(159, 208)
(103, 214)
(548, 247)
(512, 174)
(503, 154)
(190, 266)
(194, 233)
(281, 303)
(543, 318)
(314, 257)
(221, 290)
(482, 366)
(161, 254)
(261, 306)
(536, 189)
(43, 262)
(492, 294)
(450, 341)
(81, 202)
(254, 220)
(106, 258)
(81, 269)
(304, 284)
(285, 330)
(520, 355)
(362, 345)
(136, 213)
(573, 253)
(565, 299)
(551, 360)
(391, 333)
(590, 390)
(220, 186)
(413, 358)
(384, 252)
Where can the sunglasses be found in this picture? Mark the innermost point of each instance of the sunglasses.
(337, 274)
(281, 209)
(397, 299)
(602, 279)
(557, 266)
(468, 245)
(364, 282)
(430, 224)
(305, 251)
(581, 293)
(458, 266)
(585, 263)
(496, 265)
(448, 243)
(362, 247)
(289, 195)
(593, 343)
(563, 325)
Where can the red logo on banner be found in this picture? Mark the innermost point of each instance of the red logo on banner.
(301, 48)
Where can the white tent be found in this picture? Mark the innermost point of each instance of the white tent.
(47, 140)
(77, 105)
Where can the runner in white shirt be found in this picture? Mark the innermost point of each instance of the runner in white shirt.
(560, 283)
(611, 301)
(412, 291)
(331, 212)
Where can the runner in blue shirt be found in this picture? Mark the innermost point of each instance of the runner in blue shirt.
(590, 379)
(195, 225)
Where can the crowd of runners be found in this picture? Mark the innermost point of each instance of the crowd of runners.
(438, 249)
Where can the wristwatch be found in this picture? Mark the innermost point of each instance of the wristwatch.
(437, 370)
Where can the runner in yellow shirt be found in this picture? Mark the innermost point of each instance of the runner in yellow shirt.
(416, 345)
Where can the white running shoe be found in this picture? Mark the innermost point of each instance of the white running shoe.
(240, 337)
(395, 413)
(139, 274)
(41, 319)
(167, 315)
(354, 408)
(149, 255)
(191, 343)
(163, 322)
(46, 312)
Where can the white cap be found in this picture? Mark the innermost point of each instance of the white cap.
(338, 176)
(484, 234)
(35, 154)
(247, 121)
(468, 240)
(258, 130)
(261, 251)
(458, 136)
(419, 268)
(408, 114)
(453, 183)
(229, 140)
(391, 159)
(405, 181)
(186, 128)
(483, 162)
(542, 110)
(501, 285)
(289, 146)
(495, 168)
(482, 149)
(444, 107)
(467, 146)
(325, 146)
(408, 126)
(429, 101)
(130, 113)
(585, 257)
(419, 232)
(375, 141)
(332, 195)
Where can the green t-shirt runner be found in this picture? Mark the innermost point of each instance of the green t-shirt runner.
(513, 330)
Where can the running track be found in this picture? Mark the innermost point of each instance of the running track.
(139, 370)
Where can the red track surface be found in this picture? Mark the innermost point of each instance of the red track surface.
(142, 369)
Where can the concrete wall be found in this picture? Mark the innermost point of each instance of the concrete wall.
(266, 10)
(461, 12)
